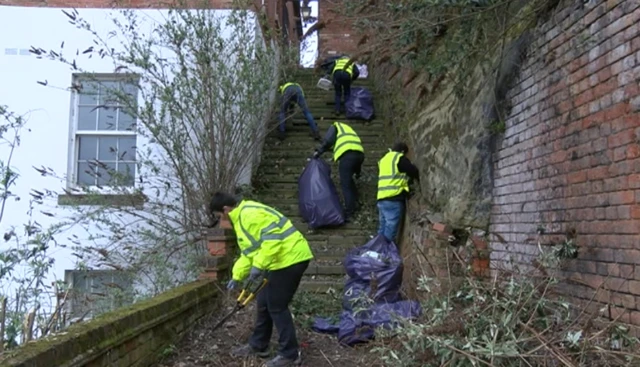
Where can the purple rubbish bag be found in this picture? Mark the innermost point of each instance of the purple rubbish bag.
(318, 199)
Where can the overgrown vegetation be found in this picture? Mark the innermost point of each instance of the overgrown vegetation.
(198, 87)
(513, 319)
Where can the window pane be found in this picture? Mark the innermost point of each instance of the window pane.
(127, 148)
(104, 173)
(107, 149)
(86, 174)
(107, 118)
(125, 121)
(109, 92)
(88, 148)
(87, 118)
(88, 93)
(131, 91)
(126, 173)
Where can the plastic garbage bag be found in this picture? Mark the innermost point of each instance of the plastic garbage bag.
(372, 294)
(373, 279)
(318, 200)
(359, 106)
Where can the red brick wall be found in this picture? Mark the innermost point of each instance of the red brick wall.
(570, 158)
(338, 35)
(215, 4)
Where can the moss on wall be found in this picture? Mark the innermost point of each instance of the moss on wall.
(453, 120)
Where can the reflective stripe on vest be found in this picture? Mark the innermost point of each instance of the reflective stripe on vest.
(340, 65)
(346, 139)
(265, 233)
(391, 182)
(287, 85)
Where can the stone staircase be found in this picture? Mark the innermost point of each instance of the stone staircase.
(283, 162)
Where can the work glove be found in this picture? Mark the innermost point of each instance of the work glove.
(256, 275)
(232, 284)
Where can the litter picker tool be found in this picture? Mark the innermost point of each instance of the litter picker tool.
(247, 295)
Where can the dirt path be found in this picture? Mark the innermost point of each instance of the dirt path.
(202, 347)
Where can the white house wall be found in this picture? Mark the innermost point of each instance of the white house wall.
(47, 108)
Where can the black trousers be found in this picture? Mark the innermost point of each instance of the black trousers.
(350, 163)
(341, 87)
(273, 308)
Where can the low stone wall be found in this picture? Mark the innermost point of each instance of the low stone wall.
(132, 336)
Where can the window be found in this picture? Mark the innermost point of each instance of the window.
(93, 292)
(103, 131)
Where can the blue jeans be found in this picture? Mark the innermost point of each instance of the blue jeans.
(291, 95)
(390, 214)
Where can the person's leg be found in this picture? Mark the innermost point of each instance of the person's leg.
(338, 89)
(346, 171)
(381, 220)
(284, 106)
(259, 340)
(347, 88)
(307, 114)
(284, 284)
(393, 216)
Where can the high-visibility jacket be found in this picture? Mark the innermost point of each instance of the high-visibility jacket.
(391, 182)
(340, 65)
(284, 87)
(346, 139)
(267, 239)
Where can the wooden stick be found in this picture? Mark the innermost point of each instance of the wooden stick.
(3, 315)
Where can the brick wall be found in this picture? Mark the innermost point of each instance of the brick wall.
(338, 35)
(214, 4)
(570, 157)
(133, 336)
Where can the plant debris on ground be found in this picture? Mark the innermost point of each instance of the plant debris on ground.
(207, 348)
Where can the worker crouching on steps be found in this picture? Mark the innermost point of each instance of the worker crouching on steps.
(293, 93)
(343, 73)
(348, 151)
(394, 172)
(271, 247)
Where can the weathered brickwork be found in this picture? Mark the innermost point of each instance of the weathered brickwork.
(133, 336)
(570, 158)
(339, 35)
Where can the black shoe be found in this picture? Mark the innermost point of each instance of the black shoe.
(336, 113)
(316, 136)
(282, 135)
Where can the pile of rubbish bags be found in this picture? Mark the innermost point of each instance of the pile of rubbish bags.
(371, 296)
(318, 200)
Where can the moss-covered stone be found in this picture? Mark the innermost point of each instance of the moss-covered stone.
(90, 341)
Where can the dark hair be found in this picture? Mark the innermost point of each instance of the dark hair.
(400, 147)
(220, 200)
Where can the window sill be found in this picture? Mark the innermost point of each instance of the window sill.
(136, 200)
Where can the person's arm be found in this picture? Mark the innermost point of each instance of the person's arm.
(329, 140)
(356, 72)
(405, 166)
(241, 268)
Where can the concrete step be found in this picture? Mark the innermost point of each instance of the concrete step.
(322, 269)
(323, 284)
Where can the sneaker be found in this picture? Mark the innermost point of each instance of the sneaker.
(280, 361)
(247, 351)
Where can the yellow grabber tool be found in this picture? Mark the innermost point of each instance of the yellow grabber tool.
(247, 295)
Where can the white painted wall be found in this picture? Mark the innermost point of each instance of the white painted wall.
(46, 142)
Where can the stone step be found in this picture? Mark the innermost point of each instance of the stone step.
(322, 285)
(322, 269)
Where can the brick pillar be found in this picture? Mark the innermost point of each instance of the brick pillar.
(221, 245)
(480, 256)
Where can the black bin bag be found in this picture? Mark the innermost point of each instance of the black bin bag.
(318, 199)
(360, 104)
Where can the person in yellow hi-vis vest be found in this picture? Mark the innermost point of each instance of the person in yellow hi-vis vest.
(348, 151)
(271, 247)
(292, 92)
(343, 73)
(395, 170)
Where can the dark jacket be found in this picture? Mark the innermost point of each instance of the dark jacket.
(329, 140)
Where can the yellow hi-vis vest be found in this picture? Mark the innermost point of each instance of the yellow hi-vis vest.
(390, 181)
(267, 239)
(346, 139)
(284, 87)
(340, 65)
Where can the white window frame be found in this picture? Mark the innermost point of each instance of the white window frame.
(74, 133)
